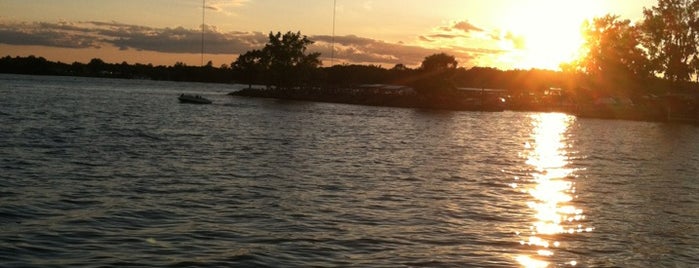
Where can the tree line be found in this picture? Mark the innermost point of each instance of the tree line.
(34, 65)
(333, 76)
(620, 58)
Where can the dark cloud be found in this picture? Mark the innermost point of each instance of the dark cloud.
(46, 34)
(178, 40)
(126, 36)
(181, 40)
(352, 48)
(94, 34)
(444, 36)
(466, 27)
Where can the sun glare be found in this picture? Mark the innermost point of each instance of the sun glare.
(544, 33)
(552, 191)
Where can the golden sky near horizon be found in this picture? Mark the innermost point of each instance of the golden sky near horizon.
(505, 34)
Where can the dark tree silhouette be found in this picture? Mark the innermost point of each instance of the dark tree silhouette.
(283, 62)
(435, 76)
(671, 35)
(439, 62)
(614, 58)
(249, 67)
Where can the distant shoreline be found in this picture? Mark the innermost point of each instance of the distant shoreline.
(668, 109)
(364, 97)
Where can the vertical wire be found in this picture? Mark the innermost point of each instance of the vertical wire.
(203, 13)
(332, 44)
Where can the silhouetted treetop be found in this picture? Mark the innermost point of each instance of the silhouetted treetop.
(436, 74)
(283, 62)
(438, 62)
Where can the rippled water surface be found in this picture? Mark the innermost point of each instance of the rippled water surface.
(100, 173)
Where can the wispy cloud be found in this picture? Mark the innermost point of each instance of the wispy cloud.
(225, 6)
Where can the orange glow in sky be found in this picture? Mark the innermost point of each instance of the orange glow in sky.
(549, 30)
(505, 34)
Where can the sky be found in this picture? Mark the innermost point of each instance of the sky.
(505, 34)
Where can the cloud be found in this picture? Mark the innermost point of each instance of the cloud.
(444, 36)
(224, 6)
(352, 48)
(63, 35)
(182, 40)
(463, 26)
(125, 36)
(96, 34)
(517, 41)
(466, 27)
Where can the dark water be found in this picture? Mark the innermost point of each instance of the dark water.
(99, 173)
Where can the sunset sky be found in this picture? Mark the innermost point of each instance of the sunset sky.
(506, 34)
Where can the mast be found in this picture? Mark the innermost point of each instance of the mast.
(332, 43)
(203, 13)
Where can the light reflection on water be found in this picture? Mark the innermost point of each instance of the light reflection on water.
(551, 191)
(105, 173)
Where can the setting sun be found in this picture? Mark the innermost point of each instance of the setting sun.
(544, 33)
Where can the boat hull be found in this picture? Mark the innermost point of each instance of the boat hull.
(193, 99)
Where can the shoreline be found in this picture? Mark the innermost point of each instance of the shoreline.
(346, 96)
(656, 111)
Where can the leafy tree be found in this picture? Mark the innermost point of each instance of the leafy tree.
(283, 62)
(435, 74)
(439, 63)
(96, 66)
(671, 35)
(250, 66)
(400, 67)
(614, 57)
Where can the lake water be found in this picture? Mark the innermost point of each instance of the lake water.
(100, 173)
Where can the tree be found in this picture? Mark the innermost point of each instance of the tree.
(614, 57)
(435, 74)
(671, 35)
(250, 66)
(96, 66)
(283, 61)
(439, 62)
(399, 67)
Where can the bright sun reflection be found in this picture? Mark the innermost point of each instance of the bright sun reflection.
(551, 190)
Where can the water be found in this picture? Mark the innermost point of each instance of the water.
(99, 173)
